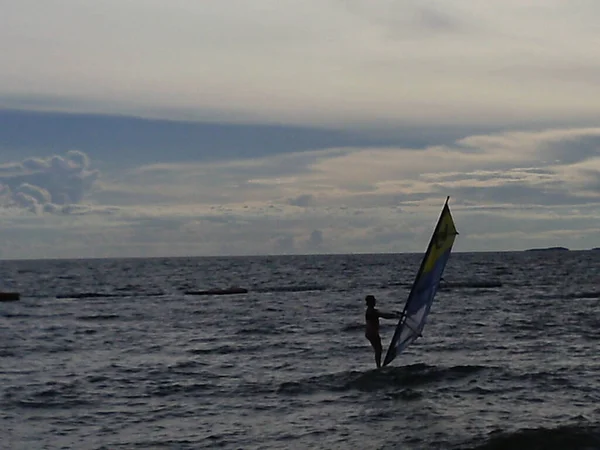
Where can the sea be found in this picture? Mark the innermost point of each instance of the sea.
(117, 354)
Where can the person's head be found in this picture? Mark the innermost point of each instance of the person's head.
(370, 300)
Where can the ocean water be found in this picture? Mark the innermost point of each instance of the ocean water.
(112, 354)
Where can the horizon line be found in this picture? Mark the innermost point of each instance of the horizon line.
(267, 255)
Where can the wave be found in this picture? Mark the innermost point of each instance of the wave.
(85, 331)
(572, 437)
(223, 349)
(589, 294)
(266, 330)
(296, 288)
(399, 283)
(261, 290)
(537, 295)
(551, 381)
(50, 395)
(226, 291)
(99, 317)
(15, 315)
(501, 270)
(82, 295)
(475, 284)
(165, 389)
(351, 327)
(379, 379)
(86, 295)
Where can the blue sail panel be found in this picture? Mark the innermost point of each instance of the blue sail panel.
(425, 286)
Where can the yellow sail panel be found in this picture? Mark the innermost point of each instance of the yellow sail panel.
(442, 240)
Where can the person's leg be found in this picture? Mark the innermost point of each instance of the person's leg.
(375, 341)
(378, 350)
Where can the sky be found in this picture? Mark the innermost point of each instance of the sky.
(139, 128)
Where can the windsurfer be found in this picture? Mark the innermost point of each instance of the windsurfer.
(372, 316)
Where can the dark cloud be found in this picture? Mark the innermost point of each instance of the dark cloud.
(26, 201)
(389, 235)
(537, 171)
(78, 210)
(134, 141)
(434, 20)
(483, 176)
(285, 244)
(592, 180)
(39, 194)
(316, 239)
(571, 150)
(10, 168)
(575, 72)
(304, 200)
(406, 20)
(549, 193)
(51, 185)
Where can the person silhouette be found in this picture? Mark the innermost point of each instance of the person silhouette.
(372, 316)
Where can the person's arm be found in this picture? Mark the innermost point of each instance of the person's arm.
(386, 315)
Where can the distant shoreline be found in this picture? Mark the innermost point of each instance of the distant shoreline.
(549, 249)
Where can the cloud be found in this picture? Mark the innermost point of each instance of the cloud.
(376, 198)
(26, 201)
(78, 159)
(39, 194)
(406, 20)
(303, 200)
(509, 190)
(33, 164)
(54, 184)
(592, 180)
(316, 239)
(540, 166)
(285, 244)
(316, 61)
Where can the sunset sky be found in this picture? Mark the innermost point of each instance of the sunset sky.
(235, 127)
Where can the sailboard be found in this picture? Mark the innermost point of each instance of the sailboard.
(425, 285)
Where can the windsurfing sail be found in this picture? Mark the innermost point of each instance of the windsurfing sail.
(425, 285)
